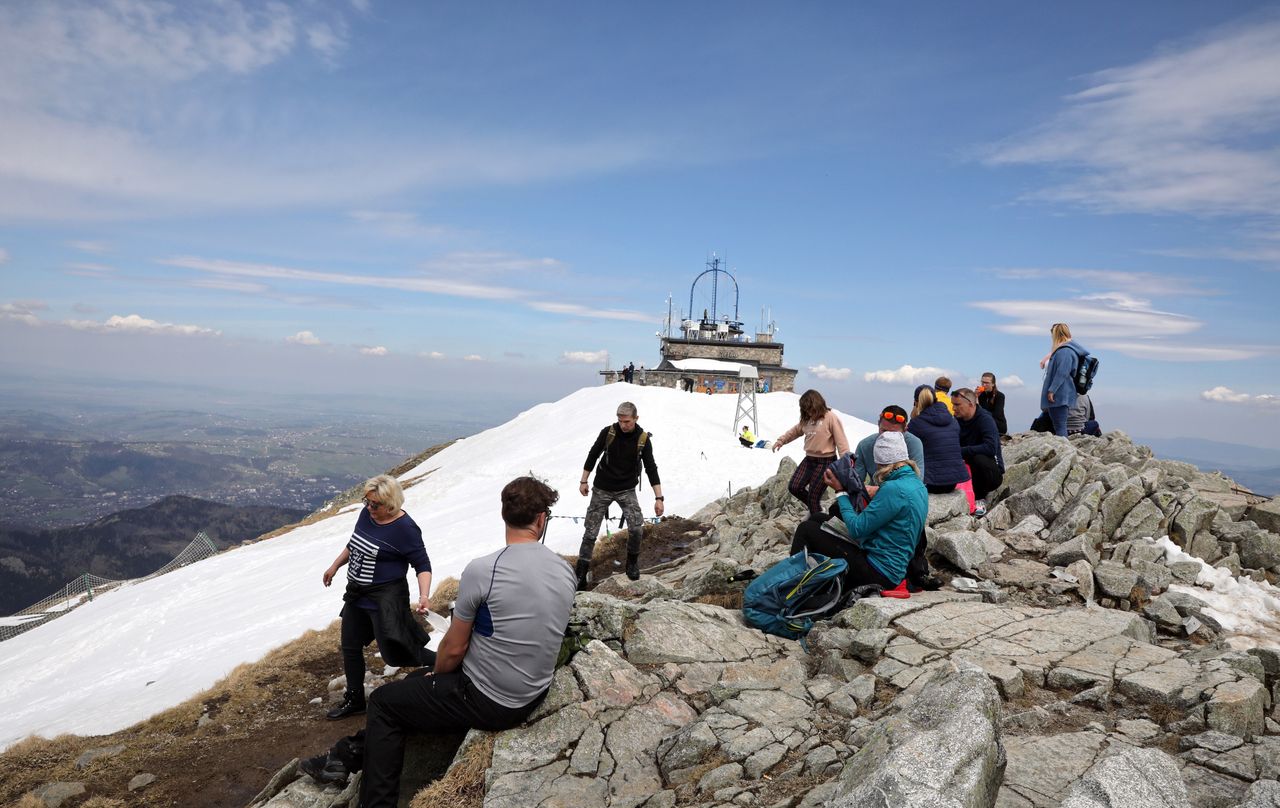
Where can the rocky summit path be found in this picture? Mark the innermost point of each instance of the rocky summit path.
(1057, 667)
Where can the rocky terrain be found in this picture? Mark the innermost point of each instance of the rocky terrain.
(1066, 662)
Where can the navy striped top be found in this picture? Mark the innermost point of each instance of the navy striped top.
(382, 553)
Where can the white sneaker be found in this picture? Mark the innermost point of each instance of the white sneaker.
(980, 508)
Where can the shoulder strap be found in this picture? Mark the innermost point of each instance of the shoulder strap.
(644, 437)
(608, 441)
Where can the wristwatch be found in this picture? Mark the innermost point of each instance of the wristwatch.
(658, 499)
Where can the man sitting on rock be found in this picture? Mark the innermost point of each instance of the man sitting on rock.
(493, 666)
(979, 446)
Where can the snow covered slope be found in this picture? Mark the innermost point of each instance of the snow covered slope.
(143, 648)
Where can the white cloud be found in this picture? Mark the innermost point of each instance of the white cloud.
(88, 269)
(134, 323)
(399, 224)
(22, 311)
(577, 310)
(905, 375)
(93, 247)
(1190, 129)
(1226, 395)
(374, 350)
(1143, 283)
(1168, 352)
(490, 263)
(1012, 382)
(473, 358)
(432, 355)
(584, 357)
(230, 285)
(304, 338)
(830, 374)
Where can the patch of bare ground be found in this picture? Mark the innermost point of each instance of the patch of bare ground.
(258, 719)
(671, 538)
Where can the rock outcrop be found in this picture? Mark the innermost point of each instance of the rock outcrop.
(1072, 664)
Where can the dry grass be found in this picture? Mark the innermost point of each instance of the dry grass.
(463, 785)
(29, 801)
(727, 600)
(444, 593)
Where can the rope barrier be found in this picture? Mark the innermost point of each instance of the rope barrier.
(88, 586)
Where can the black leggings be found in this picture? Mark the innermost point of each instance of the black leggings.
(987, 476)
(359, 628)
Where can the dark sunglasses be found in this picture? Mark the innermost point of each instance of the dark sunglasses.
(893, 416)
(373, 504)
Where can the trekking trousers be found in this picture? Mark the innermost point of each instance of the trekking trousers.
(596, 510)
(806, 483)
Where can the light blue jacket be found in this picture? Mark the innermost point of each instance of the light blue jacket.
(887, 530)
(1059, 376)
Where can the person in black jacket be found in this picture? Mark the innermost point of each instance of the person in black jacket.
(383, 544)
(979, 446)
(621, 449)
(992, 400)
(938, 431)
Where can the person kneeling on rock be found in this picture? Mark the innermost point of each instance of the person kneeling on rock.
(494, 665)
(884, 536)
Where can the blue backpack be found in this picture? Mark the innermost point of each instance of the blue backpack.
(791, 594)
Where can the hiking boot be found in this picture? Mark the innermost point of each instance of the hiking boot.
(633, 566)
(324, 769)
(584, 566)
(980, 508)
(350, 706)
(925, 583)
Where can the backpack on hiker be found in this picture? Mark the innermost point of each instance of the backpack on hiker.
(789, 596)
(1086, 369)
(640, 442)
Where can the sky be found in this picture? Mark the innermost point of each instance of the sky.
(398, 200)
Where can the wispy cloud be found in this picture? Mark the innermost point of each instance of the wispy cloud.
(1150, 284)
(578, 310)
(491, 263)
(22, 311)
(906, 374)
(432, 355)
(1012, 382)
(374, 350)
(1190, 129)
(1225, 395)
(584, 357)
(830, 374)
(134, 323)
(1166, 352)
(399, 224)
(304, 338)
(473, 358)
(89, 269)
(92, 247)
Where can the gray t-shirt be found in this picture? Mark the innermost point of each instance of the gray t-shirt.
(1080, 413)
(864, 455)
(518, 600)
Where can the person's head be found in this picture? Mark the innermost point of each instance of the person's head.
(988, 383)
(890, 454)
(892, 418)
(627, 416)
(924, 399)
(1061, 333)
(942, 384)
(812, 406)
(524, 499)
(965, 402)
(383, 495)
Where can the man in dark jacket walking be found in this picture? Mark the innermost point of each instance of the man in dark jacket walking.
(979, 446)
(621, 449)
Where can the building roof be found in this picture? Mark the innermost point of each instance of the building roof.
(709, 365)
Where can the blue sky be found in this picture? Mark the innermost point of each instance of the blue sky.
(411, 199)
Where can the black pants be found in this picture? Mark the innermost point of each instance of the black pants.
(941, 489)
(359, 628)
(445, 703)
(811, 536)
(987, 476)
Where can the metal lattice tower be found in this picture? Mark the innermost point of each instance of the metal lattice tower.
(746, 400)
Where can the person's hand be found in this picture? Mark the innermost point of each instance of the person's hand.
(777, 446)
(582, 489)
(871, 490)
(658, 507)
(328, 575)
(1045, 361)
(424, 605)
(1050, 398)
(829, 477)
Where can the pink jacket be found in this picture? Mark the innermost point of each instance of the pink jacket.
(822, 438)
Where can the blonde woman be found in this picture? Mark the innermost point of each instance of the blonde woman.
(1058, 394)
(383, 544)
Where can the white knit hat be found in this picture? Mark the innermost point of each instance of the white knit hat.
(890, 448)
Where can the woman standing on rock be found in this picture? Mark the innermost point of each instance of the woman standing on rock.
(824, 441)
(1058, 395)
(992, 400)
(376, 604)
(939, 431)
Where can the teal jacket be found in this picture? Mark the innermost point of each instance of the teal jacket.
(888, 529)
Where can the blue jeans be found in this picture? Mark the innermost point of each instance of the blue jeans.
(1058, 415)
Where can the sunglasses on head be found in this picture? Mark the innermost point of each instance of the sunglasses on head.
(893, 416)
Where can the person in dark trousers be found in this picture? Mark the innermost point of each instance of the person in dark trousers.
(979, 446)
(376, 602)
(991, 399)
(824, 441)
(621, 449)
(495, 662)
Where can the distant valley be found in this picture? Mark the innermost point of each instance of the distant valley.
(1253, 467)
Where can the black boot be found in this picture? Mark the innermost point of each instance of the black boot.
(325, 769)
(351, 705)
(633, 566)
(584, 566)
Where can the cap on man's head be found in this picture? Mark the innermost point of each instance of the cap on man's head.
(891, 447)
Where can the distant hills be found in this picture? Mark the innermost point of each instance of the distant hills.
(1254, 467)
(127, 544)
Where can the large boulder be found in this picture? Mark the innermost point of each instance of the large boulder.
(943, 750)
(1265, 514)
(1131, 778)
